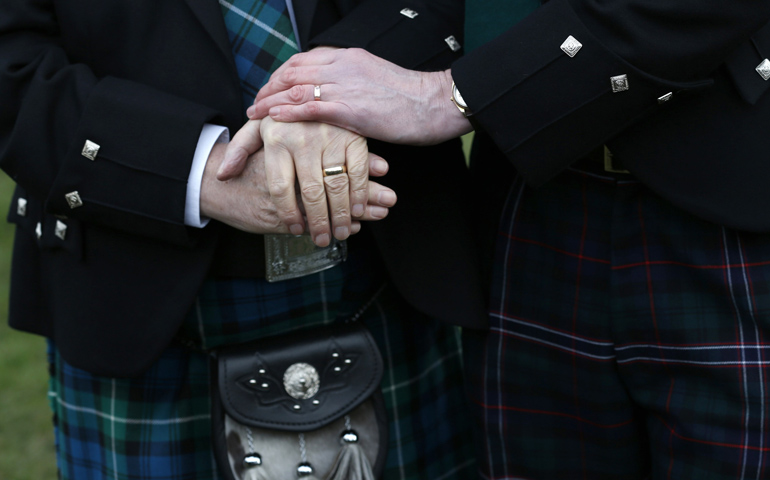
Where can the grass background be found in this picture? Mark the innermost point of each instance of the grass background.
(26, 434)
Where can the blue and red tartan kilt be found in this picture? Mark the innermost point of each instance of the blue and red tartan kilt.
(629, 339)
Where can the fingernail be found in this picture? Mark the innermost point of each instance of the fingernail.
(251, 111)
(379, 166)
(358, 209)
(222, 169)
(378, 212)
(341, 233)
(275, 111)
(296, 229)
(322, 240)
(387, 198)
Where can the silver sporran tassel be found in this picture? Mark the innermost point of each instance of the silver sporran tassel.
(255, 470)
(351, 463)
(304, 469)
(252, 462)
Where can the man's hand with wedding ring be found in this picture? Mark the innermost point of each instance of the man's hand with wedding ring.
(331, 166)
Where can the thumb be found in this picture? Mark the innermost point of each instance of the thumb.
(246, 142)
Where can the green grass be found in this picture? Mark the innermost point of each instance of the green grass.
(467, 141)
(26, 438)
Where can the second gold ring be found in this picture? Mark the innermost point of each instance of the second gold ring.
(335, 170)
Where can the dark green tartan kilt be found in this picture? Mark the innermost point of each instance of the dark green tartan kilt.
(157, 426)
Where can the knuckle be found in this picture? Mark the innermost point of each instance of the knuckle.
(360, 193)
(270, 134)
(296, 93)
(275, 134)
(337, 184)
(313, 108)
(289, 75)
(299, 58)
(280, 188)
(358, 56)
(317, 223)
(313, 193)
(358, 169)
(341, 214)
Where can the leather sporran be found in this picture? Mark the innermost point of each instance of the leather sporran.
(306, 404)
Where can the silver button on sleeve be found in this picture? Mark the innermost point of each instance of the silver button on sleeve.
(619, 83)
(571, 46)
(73, 199)
(763, 69)
(90, 150)
(453, 43)
(21, 207)
(61, 229)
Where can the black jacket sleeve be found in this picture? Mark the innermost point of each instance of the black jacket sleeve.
(545, 109)
(54, 99)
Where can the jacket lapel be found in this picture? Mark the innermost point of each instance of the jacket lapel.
(315, 16)
(209, 15)
(304, 12)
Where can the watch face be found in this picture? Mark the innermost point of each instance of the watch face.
(458, 98)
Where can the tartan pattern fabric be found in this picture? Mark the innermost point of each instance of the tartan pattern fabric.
(230, 311)
(157, 426)
(262, 38)
(627, 340)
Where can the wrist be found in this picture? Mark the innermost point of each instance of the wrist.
(209, 206)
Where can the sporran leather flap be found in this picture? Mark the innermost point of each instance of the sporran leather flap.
(300, 404)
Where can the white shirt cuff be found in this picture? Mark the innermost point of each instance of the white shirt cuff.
(210, 135)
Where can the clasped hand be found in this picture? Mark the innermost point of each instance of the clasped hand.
(270, 179)
(362, 93)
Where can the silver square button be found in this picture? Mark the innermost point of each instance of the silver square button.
(90, 150)
(73, 199)
(763, 69)
(61, 229)
(408, 12)
(453, 43)
(619, 83)
(21, 207)
(571, 46)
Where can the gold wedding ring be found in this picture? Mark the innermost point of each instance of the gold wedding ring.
(335, 170)
(317, 92)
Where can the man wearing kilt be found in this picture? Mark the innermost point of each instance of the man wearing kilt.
(626, 143)
(110, 113)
